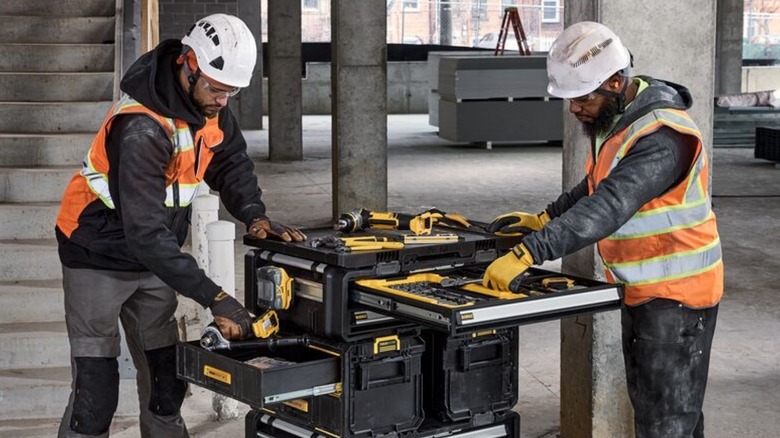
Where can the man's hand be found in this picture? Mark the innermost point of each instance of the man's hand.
(518, 223)
(263, 227)
(504, 272)
(233, 320)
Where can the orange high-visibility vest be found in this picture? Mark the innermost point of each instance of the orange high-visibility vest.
(182, 174)
(670, 248)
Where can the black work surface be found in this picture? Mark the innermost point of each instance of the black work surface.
(468, 244)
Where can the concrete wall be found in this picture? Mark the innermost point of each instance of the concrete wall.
(176, 16)
(407, 88)
(760, 78)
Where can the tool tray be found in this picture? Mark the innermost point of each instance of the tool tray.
(310, 372)
(327, 312)
(471, 247)
(457, 310)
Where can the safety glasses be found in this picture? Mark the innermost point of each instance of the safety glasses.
(218, 92)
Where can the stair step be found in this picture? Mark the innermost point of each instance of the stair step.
(59, 8)
(31, 150)
(34, 345)
(56, 87)
(28, 221)
(52, 29)
(29, 260)
(52, 117)
(56, 57)
(36, 184)
(31, 301)
(43, 393)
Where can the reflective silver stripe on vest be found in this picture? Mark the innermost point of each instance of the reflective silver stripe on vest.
(187, 193)
(666, 268)
(663, 117)
(664, 220)
(97, 182)
(695, 190)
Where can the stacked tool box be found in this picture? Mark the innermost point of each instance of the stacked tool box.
(392, 351)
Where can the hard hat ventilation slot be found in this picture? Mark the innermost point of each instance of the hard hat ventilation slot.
(593, 52)
(217, 63)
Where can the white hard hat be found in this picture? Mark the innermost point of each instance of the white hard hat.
(224, 47)
(582, 57)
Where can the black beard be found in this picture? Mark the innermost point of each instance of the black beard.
(603, 121)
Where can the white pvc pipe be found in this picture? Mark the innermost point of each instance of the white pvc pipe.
(221, 237)
(205, 209)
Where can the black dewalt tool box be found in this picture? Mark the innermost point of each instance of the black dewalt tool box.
(359, 389)
(470, 377)
(506, 425)
(354, 295)
(382, 390)
(323, 277)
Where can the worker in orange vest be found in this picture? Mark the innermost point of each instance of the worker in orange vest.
(644, 201)
(125, 215)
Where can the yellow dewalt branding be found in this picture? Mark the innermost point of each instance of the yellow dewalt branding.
(301, 405)
(216, 374)
(361, 316)
(387, 343)
(483, 333)
(466, 316)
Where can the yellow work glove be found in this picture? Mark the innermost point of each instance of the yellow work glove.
(518, 223)
(502, 273)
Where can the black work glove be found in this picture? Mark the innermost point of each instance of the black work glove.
(233, 320)
(263, 227)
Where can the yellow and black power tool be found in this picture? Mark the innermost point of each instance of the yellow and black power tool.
(358, 220)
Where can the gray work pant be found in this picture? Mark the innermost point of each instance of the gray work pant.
(94, 302)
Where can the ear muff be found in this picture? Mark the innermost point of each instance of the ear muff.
(190, 62)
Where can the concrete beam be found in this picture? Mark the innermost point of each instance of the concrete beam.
(359, 81)
(285, 134)
(728, 57)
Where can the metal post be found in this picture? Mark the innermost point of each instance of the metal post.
(221, 236)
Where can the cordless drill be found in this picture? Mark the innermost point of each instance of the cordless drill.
(359, 220)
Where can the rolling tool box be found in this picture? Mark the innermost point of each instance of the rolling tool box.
(262, 425)
(382, 391)
(470, 377)
(359, 389)
(323, 276)
(353, 295)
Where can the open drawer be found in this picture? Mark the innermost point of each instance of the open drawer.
(284, 374)
(468, 308)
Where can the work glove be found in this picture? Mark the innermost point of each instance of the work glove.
(506, 272)
(233, 320)
(263, 227)
(518, 223)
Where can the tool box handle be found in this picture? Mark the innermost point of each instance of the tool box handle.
(385, 372)
(469, 359)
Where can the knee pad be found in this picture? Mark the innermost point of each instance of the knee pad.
(167, 391)
(96, 394)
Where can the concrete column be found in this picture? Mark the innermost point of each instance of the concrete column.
(594, 402)
(728, 56)
(285, 135)
(248, 105)
(359, 104)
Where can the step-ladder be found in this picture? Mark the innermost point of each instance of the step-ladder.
(512, 16)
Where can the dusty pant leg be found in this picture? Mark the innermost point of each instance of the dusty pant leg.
(666, 351)
(93, 299)
(149, 325)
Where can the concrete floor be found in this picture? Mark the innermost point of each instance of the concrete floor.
(425, 171)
